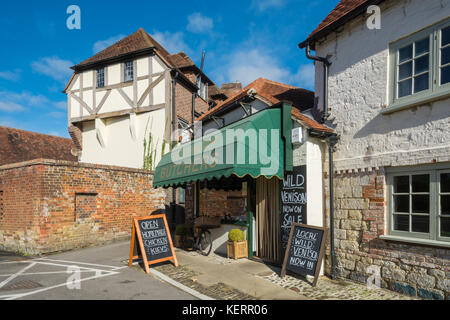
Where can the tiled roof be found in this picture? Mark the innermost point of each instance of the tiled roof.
(137, 41)
(181, 60)
(274, 93)
(344, 9)
(19, 146)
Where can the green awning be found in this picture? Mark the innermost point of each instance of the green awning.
(254, 148)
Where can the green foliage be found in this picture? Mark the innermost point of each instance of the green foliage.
(151, 146)
(180, 230)
(236, 235)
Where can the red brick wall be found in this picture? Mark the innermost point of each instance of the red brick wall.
(183, 103)
(57, 205)
(215, 203)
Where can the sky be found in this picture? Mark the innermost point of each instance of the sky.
(243, 40)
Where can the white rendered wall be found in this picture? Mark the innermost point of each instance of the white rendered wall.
(358, 90)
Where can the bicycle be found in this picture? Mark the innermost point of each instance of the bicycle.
(203, 242)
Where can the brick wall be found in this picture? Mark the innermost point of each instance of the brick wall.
(218, 203)
(183, 105)
(53, 205)
(360, 220)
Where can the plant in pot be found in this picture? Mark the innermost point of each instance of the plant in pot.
(180, 232)
(237, 245)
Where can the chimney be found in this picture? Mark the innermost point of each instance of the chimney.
(230, 89)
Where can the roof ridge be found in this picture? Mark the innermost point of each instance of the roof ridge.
(33, 132)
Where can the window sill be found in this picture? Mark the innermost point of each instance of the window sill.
(402, 105)
(427, 242)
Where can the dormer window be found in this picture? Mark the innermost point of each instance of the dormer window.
(129, 71)
(203, 88)
(101, 78)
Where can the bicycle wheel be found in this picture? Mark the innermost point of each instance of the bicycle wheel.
(205, 243)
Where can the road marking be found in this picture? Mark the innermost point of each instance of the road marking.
(15, 275)
(76, 262)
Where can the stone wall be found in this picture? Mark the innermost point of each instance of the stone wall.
(53, 205)
(360, 220)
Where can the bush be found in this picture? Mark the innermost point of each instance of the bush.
(236, 235)
(180, 230)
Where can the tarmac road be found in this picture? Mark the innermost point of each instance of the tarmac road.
(98, 273)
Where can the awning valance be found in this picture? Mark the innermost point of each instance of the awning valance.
(253, 146)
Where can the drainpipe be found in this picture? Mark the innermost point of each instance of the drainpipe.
(326, 66)
(174, 196)
(332, 140)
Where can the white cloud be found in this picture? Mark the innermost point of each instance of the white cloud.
(53, 67)
(248, 65)
(305, 76)
(10, 107)
(262, 5)
(103, 44)
(9, 75)
(199, 23)
(14, 102)
(172, 42)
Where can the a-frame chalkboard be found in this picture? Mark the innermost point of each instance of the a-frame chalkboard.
(154, 243)
(305, 250)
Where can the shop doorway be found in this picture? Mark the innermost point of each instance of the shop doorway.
(267, 232)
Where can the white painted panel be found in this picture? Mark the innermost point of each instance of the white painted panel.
(142, 86)
(87, 79)
(74, 108)
(88, 98)
(159, 93)
(129, 92)
(99, 97)
(114, 74)
(115, 102)
(157, 67)
(76, 83)
(142, 67)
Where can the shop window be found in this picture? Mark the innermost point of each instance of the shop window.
(181, 195)
(419, 204)
(85, 206)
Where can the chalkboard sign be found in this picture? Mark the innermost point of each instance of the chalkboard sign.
(293, 201)
(305, 250)
(155, 242)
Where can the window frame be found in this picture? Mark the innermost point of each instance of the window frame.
(125, 71)
(104, 78)
(434, 171)
(436, 91)
(438, 211)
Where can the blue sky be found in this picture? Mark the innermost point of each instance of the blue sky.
(243, 40)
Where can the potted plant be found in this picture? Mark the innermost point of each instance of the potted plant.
(180, 232)
(237, 245)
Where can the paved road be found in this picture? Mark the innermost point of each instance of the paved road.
(88, 274)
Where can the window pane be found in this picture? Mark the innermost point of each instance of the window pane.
(405, 53)
(422, 46)
(445, 75)
(445, 227)
(445, 36)
(401, 222)
(421, 203)
(401, 184)
(445, 204)
(421, 183)
(404, 88)
(405, 71)
(445, 182)
(421, 64)
(420, 224)
(421, 83)
(445, 56)
(401, 204)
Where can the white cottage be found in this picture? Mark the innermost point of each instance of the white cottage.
(386, 92)
(124, 102)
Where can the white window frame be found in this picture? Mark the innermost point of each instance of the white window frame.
(125, 74)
